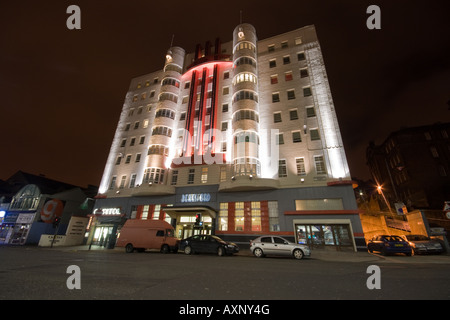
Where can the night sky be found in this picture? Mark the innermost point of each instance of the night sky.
(62, 90)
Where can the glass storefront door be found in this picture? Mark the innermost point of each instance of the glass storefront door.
(102, 235)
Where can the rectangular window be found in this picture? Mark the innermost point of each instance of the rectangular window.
(223, 216)
(145, 212)
(273, 63)
(174, 177)
(225, 107)
(224, 126)
(291, 94)
(282, 170)
(293, 115)
(156, 212)
(301, 56)
(279, 138)
(320, 165)
(138, 157)
(274, 79)
(300, 162)
(288, 76)
(319, 204)
(314, 133)
(239, 216)
(225, 90)
(303, 73)
(223, 172)
(112, 185)
(274, 223)
(310, 112)
(204, 177)
(122, 182)
(286, 60)
(307, 92)
(277, 117)
(284, 44)
(434, 152)
(256, 215)
(191, 176)
(298, 41)
(275, 97)
(133, 180)
(296, 137)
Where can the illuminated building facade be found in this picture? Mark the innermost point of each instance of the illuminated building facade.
(243, 132)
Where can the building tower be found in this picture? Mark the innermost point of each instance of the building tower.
(160, 150)
(245, 119)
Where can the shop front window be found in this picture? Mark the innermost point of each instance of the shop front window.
(239, 216)
(321, 236)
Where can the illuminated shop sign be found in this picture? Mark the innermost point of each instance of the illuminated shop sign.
(196, 197)
(107, 211)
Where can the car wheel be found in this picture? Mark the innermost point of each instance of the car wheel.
(258, 253)
(165, 248)
(188, 250)
(220, 251)
(129, 248)
(298, 254)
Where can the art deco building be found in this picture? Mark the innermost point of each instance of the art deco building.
(243, 132)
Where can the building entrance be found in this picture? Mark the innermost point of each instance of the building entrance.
(186, 226)
(187, 223)
(102, 235)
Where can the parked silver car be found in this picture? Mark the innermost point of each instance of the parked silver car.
(273, 245)
(422, 244)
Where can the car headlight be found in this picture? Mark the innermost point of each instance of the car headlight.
(437, 245)
(420, 245)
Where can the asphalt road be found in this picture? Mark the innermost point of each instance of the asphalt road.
(41, 273)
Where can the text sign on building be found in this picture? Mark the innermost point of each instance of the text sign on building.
(196, 197)
(107, 211)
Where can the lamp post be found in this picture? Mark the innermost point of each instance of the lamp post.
(380, 191)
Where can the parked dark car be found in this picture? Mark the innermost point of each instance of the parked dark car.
(205, 243)
(422, 244)
(387, 244)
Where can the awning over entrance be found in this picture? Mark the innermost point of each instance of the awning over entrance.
(175, 212)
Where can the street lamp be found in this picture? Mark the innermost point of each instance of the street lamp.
(380, 191)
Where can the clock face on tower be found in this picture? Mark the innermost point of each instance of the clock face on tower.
(241, 33)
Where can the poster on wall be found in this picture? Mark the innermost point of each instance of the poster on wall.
(52, 208)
